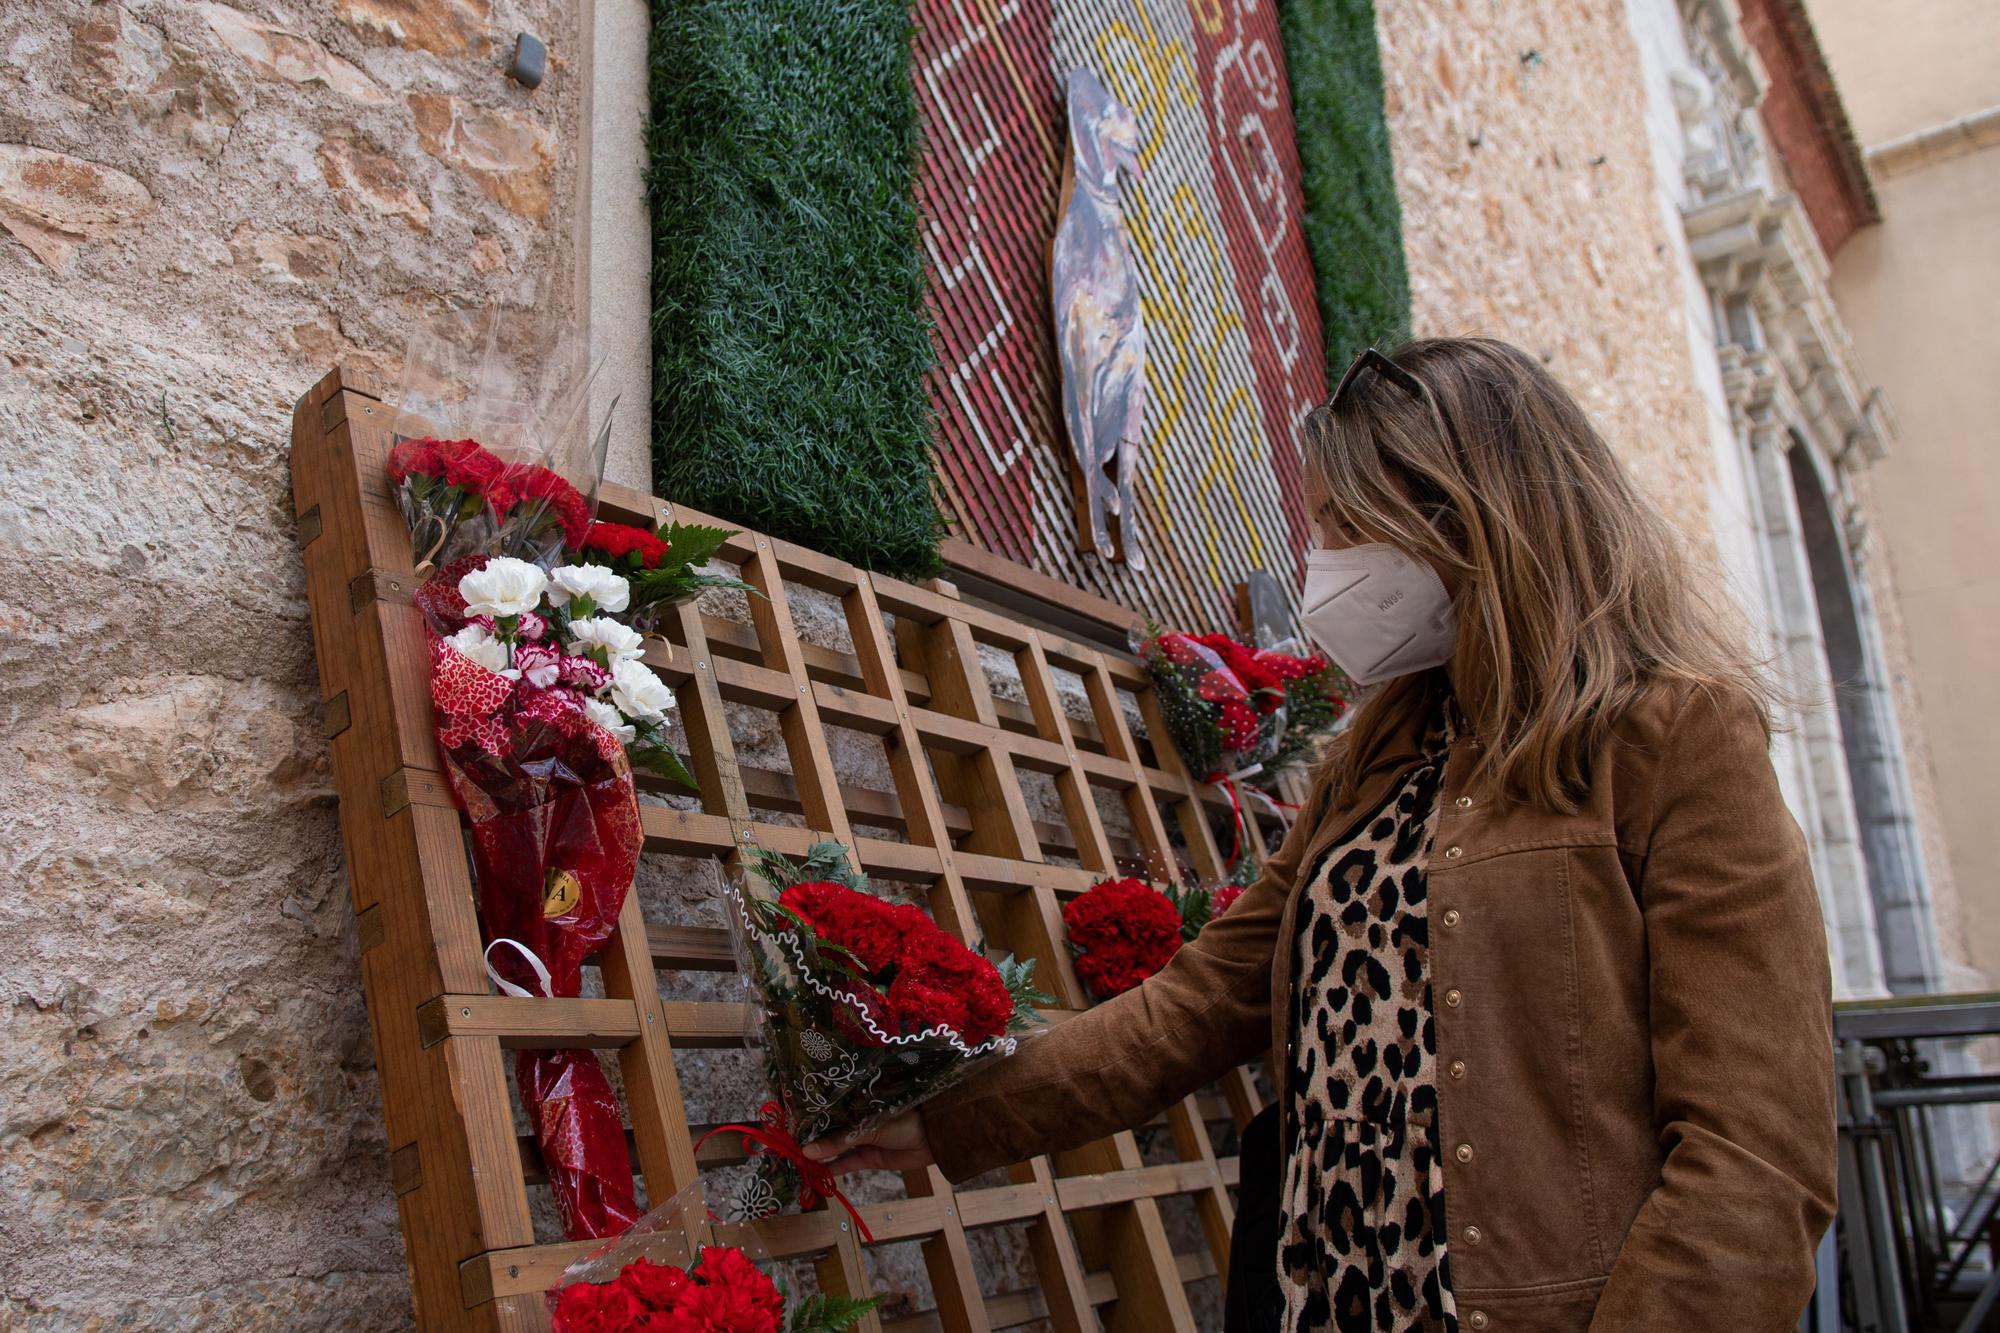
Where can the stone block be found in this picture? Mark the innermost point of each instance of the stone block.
(284, 256)
(446, 27)
(278, 54)
(52, 202)
(507, 154)
(366, 180)
(125, 64)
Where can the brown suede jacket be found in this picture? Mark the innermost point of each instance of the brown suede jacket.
(1634, 1033)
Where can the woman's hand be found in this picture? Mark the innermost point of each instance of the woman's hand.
(897, 1145)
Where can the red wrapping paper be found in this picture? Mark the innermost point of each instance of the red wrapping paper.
(555, 842)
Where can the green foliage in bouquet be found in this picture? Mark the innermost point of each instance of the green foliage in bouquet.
(692, 546)
(1195, 904)
(830, 1313)
(790, 336)
(1353, 222)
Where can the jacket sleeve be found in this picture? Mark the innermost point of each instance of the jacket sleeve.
(1742, 1038)
(1118, 1064)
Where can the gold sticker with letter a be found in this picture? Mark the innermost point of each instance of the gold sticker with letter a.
(561, 893)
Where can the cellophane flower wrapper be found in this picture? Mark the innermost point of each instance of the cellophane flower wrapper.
(494, 453)
(1222, 727)
(656, 1274)
(860, 1004)
(1317, 694)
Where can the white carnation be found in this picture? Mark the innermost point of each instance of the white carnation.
(613, 721)
(638, 692)
(476, 643)
(608, 590)
(619, 642)
(505, 587)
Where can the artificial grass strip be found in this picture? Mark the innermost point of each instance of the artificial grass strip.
(1353, 222)
(790, 338)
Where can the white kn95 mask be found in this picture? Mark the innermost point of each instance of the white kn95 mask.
(1377, 612)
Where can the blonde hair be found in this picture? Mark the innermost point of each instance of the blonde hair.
(1574, 595)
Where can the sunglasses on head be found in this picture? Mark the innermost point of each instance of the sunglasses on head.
(1370, 359)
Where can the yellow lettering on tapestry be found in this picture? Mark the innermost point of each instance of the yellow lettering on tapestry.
(1141, 73)
(1202, 421)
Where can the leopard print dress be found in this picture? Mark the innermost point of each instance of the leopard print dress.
(1363, 1226)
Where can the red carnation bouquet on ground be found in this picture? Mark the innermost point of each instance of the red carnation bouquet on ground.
(1123, 931)
(1224, 725)
(652, 1279)
(863, 1005)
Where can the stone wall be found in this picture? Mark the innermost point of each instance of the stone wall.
(206, 205)
(1528, 214)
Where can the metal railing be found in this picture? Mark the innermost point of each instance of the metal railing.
(1901, 1258)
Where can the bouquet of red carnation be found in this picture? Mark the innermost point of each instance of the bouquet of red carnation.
(1315, 695)
(1123, 931)
(651, 1278)
(662, 568)
(1224, 725)
(863, 1005)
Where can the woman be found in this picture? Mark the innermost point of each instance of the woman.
(1540, 969)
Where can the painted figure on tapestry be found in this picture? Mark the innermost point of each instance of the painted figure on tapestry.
(1100, 333)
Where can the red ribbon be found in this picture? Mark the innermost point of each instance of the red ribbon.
(1228, 785)
(815, 1179)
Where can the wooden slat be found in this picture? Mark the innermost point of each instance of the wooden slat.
(445, 1104)
(1132, 1237)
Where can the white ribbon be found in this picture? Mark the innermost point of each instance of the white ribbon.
(1283, 816)
(509, 988)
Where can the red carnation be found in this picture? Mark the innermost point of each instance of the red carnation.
(1123, 931)
(538, 484)
(587, 1307)
(472, 467)
(941, 983)
(916, 976)
(724, 1266)
(655, 1286)
(858, 922)
(414, 458)
(621, 540)
(1224, 898)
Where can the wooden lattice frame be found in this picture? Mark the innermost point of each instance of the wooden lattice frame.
(1092, 1216)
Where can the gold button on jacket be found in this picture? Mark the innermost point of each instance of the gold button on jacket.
(1649, 1011)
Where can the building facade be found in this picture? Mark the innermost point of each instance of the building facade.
(1759, 181)
(1918, 292)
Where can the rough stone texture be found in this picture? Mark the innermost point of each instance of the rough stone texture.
(1528, 214)
(52, 202)
(207, 204)
(507, 153)
(278, 54)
